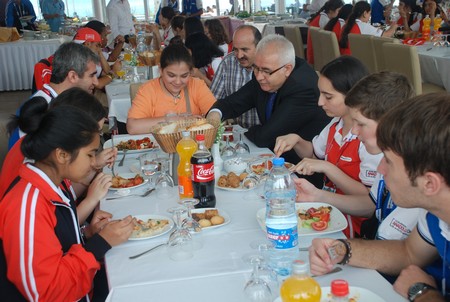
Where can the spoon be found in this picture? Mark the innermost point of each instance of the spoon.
(123, 158)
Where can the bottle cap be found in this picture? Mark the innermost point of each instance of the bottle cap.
(299, 266)
(185, 134)
(200, 137)
(339, 288)
(278, 161)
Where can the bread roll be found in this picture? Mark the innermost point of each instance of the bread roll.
(205, 126)
(170, 128)
(216, 220)
(204, 223)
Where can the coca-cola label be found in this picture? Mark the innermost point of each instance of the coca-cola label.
(203, 172)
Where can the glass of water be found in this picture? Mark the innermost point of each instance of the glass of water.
(149, 166)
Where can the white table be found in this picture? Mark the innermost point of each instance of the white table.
(119, 102)
(435, 65)
(18, 60)
(216, 271)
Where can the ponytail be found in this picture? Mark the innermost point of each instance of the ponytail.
(358, 10)
(30, 116)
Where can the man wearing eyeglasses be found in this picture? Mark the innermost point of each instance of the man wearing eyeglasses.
(284, 92)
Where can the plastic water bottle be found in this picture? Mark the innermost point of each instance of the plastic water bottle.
(281, 218)
(300, 287)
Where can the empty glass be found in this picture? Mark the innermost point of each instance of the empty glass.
(190, 223)
(164, 183)
(256, 289)
(149, 166)
(179, 246)
(241, 147)
(227, 151)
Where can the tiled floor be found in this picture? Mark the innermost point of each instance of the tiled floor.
(9, 102)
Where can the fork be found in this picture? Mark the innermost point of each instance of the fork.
(140, 195)
(112, 165)
(147, 251)
(123, 158)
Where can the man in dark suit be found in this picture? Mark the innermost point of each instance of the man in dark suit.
(284, 92)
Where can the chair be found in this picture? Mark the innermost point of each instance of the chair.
(329, 47)
(292, 33)
(316, 47)
(377, 44)
(134, 87)
(404, 59)
(362, 49)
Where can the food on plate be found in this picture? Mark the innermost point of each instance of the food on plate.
(146, 228)
(208, 218)
(315, 218)
(261, 167)
(231, 180)
(135, 144)
(120, 182)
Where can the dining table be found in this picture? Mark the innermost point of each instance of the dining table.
(435, 64)
(217, 271)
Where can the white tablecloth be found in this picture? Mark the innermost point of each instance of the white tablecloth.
(435, 65)
(119, 102)
(18, 60)
(217, 271)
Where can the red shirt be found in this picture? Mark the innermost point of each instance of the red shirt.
(42, 73)
(355, 30)
(10, 169)
(309, 47)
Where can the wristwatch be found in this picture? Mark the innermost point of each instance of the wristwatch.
(418, 289)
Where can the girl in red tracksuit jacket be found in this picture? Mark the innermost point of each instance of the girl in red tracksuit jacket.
(42, 254)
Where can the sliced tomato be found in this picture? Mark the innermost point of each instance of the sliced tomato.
(325, 217)
(311, 211)
(319, 225)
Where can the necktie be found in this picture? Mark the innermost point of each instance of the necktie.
(269, 106)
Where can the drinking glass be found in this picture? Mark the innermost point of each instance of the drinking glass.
(149, 166)
(241, 147)
(251, 183)
(164, 183)
(190, 223)
(227, 151)
(179, 246)
(256, 289)
(269, 275)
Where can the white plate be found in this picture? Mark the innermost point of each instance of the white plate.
(164, 230)
(128, 175)
(124, 138)
(26, 18)
(337, 219)
(221, 213)
(358, 294)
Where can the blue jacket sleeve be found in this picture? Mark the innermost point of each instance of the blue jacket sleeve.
(9, 19)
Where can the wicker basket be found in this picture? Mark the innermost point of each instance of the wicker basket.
(150, 58)
(168, 142)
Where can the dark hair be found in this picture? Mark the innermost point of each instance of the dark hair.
(436, 12)
(344, 12)
(167, 12)
(64, 127)
(27, 120)
(203, 49)
(82, 100)
(216, 31)
(175, 53)
(378, 93)
(71, 56)
(358, 10)
(256, 33)
(329, 6)
(177, 40)
(177, 22)
(418, 130)
(193, 25)
(344, 72)
(415, 9)
(96, 25)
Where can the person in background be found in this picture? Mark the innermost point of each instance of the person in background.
(305, 13)
(120, 19)
(337, 23)
(358, 23)
(177, 24)
(165, 19)
(236, 70)
(16, 13)
(417, 176)
(191, 26)
(171, 3)
(315, 6)
(380, 11)
(432, 9)
(283, 91)
(336, 141)
(328, 11)
(38, 223)
(192, 8)
(102, 29)
(410, 15)
(175, 91)
(216, 32)
(53, 12)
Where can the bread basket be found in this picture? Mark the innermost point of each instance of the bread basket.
(150, 58)
(168, 141)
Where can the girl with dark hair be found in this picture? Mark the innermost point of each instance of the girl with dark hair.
(165, 18)
(38, 222)
(192, 25)
(206, 56)
(335, 24)
(432, 9)
(329, 10)
(358, 23)
(336, 142)
(410, 15)
(216, 32)
(175, 91)
(177, 25)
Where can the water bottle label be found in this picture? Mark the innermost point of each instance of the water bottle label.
(283, 238)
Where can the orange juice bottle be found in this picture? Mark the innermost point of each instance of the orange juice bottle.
(437, 22)
(185, 148)
(426, 28)
(300, 287)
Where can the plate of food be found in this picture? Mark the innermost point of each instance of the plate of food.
(313, 218)
(264, 164)
(150, 226)
(127, 181)
(133, 143)
(210, 218)
(233, 182)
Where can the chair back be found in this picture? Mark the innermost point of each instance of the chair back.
(292, 33)
(316, 47)
(329, 46)
(362, 49)
(377, 44)
(134, 87)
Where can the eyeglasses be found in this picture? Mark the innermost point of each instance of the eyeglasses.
(265, 72)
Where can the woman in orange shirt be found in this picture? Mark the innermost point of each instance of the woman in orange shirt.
(174, 92)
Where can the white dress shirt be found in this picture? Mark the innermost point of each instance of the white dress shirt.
(120, 18)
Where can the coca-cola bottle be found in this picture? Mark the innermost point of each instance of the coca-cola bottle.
(203, 175)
